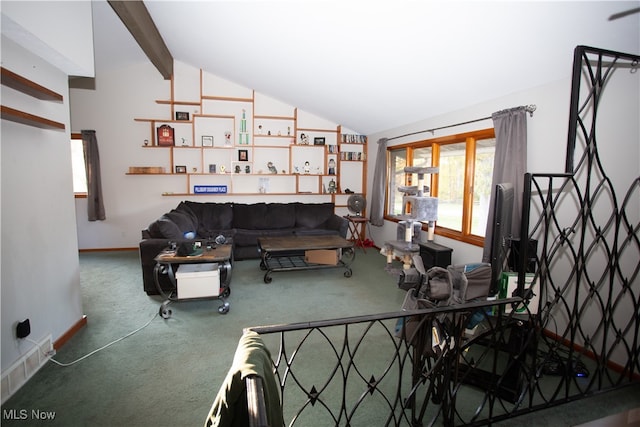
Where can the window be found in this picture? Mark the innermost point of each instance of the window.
(78, 166)
(463, 184)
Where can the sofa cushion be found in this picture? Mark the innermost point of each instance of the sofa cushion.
(280, 215)
(313, 215)
(173, 225)
(213, 218)
(186, 208)
(250, 216)
(244, 237)
(164, 228)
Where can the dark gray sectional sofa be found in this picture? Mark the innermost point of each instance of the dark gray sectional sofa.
(243, 224)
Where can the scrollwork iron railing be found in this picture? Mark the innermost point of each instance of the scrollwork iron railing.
(582, 337)
(371, 370)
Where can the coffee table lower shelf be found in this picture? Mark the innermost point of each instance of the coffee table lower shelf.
(288, 254)
(298, 262)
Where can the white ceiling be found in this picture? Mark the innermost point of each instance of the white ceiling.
(376, 65)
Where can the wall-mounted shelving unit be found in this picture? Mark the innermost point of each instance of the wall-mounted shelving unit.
(254, 145)
(33, 89)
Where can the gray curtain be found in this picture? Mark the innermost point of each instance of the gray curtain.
(95, 206)
(376, 215)
(509, 165)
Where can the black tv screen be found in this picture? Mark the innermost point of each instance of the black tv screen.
(501, 236)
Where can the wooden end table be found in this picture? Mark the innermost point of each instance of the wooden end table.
(167, 262)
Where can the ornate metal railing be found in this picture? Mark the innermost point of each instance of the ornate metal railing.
(374, 370)
(581, 338)
(585, 224)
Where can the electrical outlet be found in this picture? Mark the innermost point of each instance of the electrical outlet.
(23, 329)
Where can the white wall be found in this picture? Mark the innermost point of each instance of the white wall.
(40, 273)
(547, 139)
(618, 136)
(546, 132)
(37, 24)
(44, 42)
(132, 202)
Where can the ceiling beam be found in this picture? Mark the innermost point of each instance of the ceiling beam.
(135, 16)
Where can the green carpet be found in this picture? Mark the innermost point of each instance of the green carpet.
(168, 373)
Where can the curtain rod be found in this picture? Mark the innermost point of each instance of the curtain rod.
(528, 108)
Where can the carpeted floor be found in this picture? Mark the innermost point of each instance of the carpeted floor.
(167, 373)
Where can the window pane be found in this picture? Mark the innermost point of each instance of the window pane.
(422, 158)
(397, 163)
(485, 153)
(77, 166)
(451, 185)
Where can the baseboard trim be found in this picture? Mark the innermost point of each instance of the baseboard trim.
(106, 249)
(25, 367)
(70, 332)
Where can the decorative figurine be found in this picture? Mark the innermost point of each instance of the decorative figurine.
(247, 169)
(272, 168)
(332, 167)
(307, 168)
(227, 139)
(332, 186)
(259, 129)
(304, 139)
(243, 130)
(237, 169)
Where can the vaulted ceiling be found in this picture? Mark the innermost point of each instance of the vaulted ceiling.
(376, 65)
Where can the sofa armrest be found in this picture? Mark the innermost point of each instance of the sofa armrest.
(338, 223)
(149, 249)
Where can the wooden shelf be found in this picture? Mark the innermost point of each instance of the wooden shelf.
(240, 194)
(226, 98)
(317, 130)
(168, 102)
(24, 85)
(18, 116)
(271, 134)
(257, 116)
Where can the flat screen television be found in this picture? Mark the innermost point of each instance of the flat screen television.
(501, 236)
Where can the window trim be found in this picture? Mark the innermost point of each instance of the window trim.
(469, 138)
(78, 195)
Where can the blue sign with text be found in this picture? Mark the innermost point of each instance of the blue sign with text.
(210, 189)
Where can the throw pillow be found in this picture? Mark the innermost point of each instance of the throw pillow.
(313, 215)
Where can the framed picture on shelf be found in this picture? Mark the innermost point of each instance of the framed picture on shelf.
(207, 141)
(212, 168)
(243, 155)
(182, 115)
(318, 140)
(181, 169)
(166, 136)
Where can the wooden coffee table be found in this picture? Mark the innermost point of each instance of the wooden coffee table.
(288, 253)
